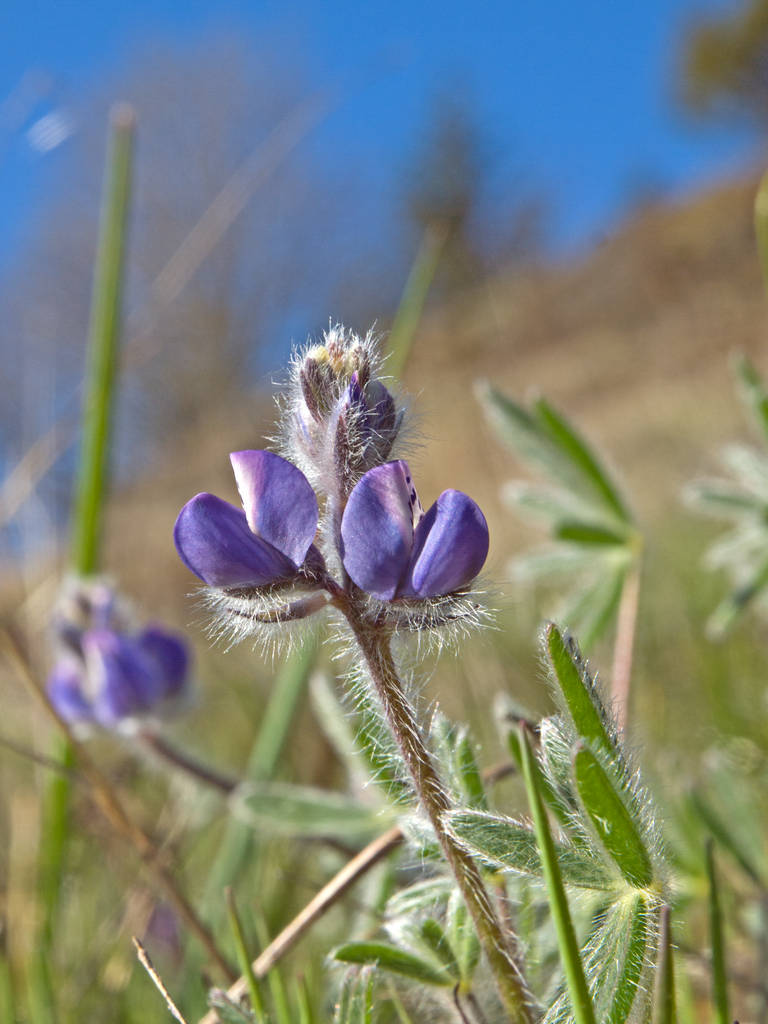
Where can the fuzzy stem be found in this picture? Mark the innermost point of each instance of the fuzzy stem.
(375, 647)
(621, 673)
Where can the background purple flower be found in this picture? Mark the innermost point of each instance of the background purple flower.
(268, 541)
(392, 549)
(116, 676)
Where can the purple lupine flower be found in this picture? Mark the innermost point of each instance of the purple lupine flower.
(267, 542)
(392, 549)
(106, 673)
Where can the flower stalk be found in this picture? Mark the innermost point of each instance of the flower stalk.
(375, 647)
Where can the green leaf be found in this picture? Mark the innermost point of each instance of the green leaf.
(719, 969)
(633, 960)
(304, 811)
(590, 534)
(436, 941)
(508, 844)
(355, 1004)
(469, 772)
(578, 451)
(727, 613)
(591, 610)
(577, 689)
(753, 391)
(228, 1011)
(581, 1002)
(723, 499)
(390, 958)
(611, 819)
(761, 226)
(463, 937)
(664, 991)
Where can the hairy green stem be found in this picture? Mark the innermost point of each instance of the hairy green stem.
(497, 944)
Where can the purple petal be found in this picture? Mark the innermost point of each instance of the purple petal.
(279, 502)
(214, 541)
(125, 679)
(377, 529)
(450, 546)
(170, 654)
(65, 691)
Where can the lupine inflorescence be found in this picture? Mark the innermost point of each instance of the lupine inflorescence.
(334, 520)
(107, 672)
(334, 515)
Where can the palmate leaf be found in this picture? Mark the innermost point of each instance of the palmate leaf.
(543, 437)
(505, 843)
(593, 539)
(285, 809)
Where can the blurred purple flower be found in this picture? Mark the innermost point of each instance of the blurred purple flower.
(267, 542)
(392, 549)
(111, 677)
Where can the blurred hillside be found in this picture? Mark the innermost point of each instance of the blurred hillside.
(631, 341)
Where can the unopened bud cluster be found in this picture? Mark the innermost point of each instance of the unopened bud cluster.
(342, 420)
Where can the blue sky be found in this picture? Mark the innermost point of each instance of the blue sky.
(578, 96)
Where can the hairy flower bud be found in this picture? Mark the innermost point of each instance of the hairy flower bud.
(341, 419)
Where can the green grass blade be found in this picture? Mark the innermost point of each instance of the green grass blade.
(390, 958)
(611, 819)
(91, 490)
(577, 689)
(719, 971)
(664, 992)
(287, 691)
(243, 957)
(580, 454)
(413, 300)
(581, 1003)
(726, 838)
(761, 226)
(304, 1001)
(102, 346)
